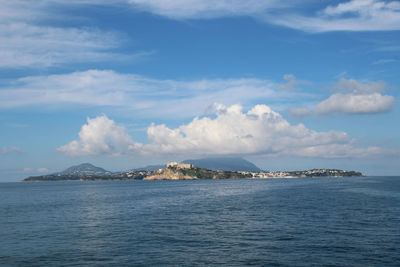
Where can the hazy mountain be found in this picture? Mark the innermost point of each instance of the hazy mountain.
(150, 168)
(84, 169)
(224, 164)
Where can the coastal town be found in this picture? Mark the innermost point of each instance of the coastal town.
(181, 171)
(302, 174)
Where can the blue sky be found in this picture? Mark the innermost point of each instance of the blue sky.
(123, 84)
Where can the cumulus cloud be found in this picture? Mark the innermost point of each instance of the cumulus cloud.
(355, 104)
(259, 131)
(231, 131)
(101, 136)
(354, 97)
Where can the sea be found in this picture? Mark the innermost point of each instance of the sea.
(351, 221)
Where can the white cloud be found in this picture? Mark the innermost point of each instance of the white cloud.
(142, 95)
(24, 45)
(354, 97)
(355, 104)
(205, 9)
(291, 82)
(354, 15)
(356, 87)
(259, 131)
(20, 10)
(27, 41)
(90, 87)
(10, 150)
(149, 97)
(101, 136)
(386, 60)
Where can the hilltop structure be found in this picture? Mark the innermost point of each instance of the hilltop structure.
(187, 171)
(176, 165)
(173, 171)
(224, 164)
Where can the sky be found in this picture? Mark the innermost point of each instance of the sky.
(288, 85)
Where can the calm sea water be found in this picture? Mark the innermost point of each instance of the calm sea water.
(280, 222)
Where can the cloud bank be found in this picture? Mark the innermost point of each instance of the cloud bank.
(231, 131)
(27, 41)
(140, 94)
(149, 97)
(354, 97)
(24, 45)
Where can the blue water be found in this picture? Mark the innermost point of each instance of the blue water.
(271, 222)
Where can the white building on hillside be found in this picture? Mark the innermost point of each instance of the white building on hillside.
(174, 164)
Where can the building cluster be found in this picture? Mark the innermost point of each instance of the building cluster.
(295, 174)
(271, 174)
(321, 171)
(176, 165)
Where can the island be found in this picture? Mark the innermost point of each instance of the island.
(179, 171)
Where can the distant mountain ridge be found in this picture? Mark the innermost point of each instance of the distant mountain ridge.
(84, 169)
(150, 168)
(224, 164)
(213, 163)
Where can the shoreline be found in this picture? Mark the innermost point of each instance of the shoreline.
(190, 179)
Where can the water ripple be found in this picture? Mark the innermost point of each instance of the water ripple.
(296, 222)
